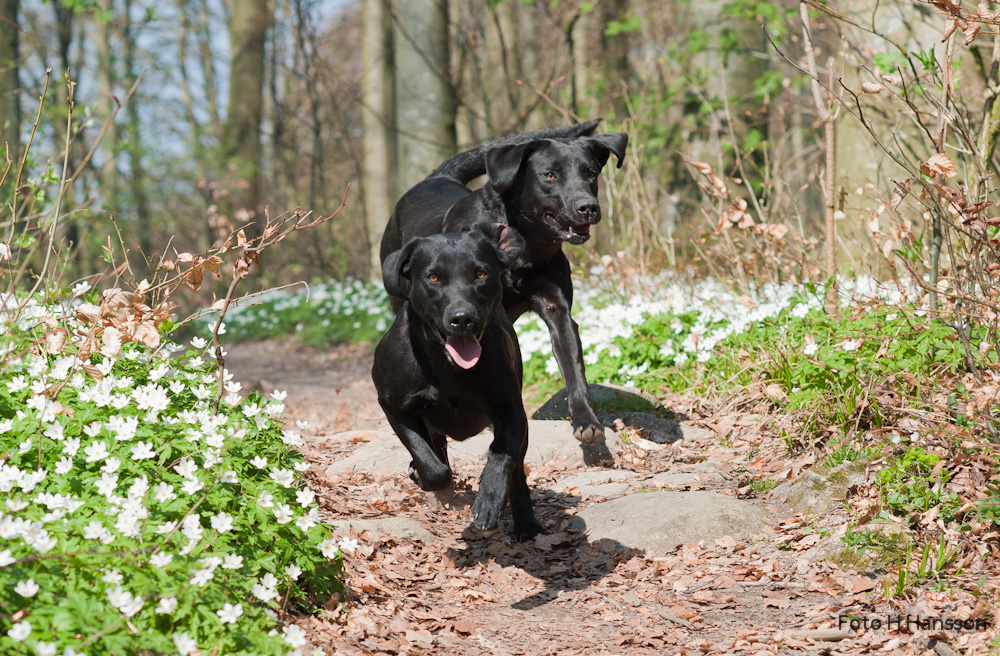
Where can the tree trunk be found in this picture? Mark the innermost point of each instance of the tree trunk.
(376, 123)
(576, 34)
(241, 134)
(424, 93)
(10, 88)
(615, 57)
(828, 116)
(107, 103)
(142, 214)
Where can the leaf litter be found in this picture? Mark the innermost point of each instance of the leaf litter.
(472, 593)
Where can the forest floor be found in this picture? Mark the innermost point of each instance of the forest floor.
(423, 579)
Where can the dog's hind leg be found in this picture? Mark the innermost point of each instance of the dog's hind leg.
(429, 468)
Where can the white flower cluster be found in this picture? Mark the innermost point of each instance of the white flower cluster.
(605, 314)
(98, 453)
(349, 298)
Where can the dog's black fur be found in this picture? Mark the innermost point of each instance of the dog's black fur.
(428, 383)
(544, 185)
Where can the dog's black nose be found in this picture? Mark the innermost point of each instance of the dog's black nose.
(462, 319)
(587, 208)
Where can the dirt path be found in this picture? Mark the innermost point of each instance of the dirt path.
(437, 583)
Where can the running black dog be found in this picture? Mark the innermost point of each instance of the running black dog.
(544, 185)
(450, 366)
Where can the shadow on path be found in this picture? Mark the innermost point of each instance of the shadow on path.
(564, 560)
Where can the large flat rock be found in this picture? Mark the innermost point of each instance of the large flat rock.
(600, 484)
(631, 406)
(384, 453)
(548, 442)
(660, 521)
(402, 528)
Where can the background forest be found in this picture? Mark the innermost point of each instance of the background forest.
(192, 118)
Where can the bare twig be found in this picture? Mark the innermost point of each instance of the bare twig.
(828, 117)
(274, 232)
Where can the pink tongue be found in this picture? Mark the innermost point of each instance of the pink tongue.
(464, 350)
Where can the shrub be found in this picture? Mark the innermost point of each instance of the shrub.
(135, 517)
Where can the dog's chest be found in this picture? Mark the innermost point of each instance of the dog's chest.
(457, 415)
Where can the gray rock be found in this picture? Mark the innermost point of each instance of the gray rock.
(659, 521)
(548, 442)
(606, 398)
(689, 474)
(598, 484)
(383, 453)
(402, 528)
(632, 406)
(817, 491)
(671, 479)
(836, 551)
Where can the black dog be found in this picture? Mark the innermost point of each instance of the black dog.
(544, 185)
(450, 365)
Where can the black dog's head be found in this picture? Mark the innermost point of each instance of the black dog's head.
(552, 183)
(453, 282)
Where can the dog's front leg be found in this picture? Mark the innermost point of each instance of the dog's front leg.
(510, 442)
(428, 469)
(566, 346)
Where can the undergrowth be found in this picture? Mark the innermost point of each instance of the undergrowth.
(136, 518)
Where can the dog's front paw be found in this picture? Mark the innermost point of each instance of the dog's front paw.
(526, 528)
(588, 432)
(434, 482)
(487, 508)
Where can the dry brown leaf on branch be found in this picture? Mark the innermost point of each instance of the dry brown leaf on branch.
(718, 186)
(872, 88)
(118, 305)
(146, 333)
(241, 268)
(947, 6)
(950, 25)
(899, 192)
(55, 340)
(111, 338)
(193, 277)
(213, 264)
(939, 164)
(971, 30)
(775, 231)
(93, 372)
(88, 313)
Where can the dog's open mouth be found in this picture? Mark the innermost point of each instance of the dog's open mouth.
(574, 233)
(464, 350)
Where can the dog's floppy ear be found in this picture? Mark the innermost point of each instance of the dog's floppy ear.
(508, 241)
(603, 145)
(396, 272)
(503, 164)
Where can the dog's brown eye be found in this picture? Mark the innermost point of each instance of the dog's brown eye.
(591, 174)
(549, 175)
(480, 274)
(433, 277)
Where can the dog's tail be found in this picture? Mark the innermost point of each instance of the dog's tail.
(471, 164)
